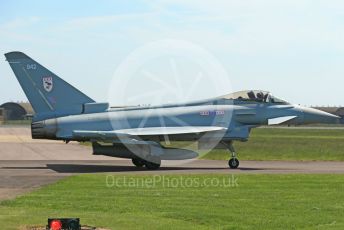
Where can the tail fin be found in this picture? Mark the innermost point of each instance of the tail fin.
(49, 95)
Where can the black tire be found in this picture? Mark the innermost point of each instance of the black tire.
(138, 162)
(152, 166)
(233, 163)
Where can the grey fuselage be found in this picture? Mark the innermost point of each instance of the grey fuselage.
(237, 116)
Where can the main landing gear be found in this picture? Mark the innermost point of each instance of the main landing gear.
(233, 163)
(138, 162)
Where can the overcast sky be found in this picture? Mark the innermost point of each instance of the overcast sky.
(295, 49)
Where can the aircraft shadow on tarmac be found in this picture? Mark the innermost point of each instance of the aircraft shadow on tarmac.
(84, 168)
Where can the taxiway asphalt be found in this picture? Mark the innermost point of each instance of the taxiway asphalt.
(27, 164)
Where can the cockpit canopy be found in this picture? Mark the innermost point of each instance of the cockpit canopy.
(255, 95)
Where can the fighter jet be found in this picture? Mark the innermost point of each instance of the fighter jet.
(64, 113)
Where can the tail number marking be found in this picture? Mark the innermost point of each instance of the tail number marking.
(31, 66)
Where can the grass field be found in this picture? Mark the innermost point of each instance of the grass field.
(288, 144)
(185, 202)
(314, 144)
(16, 122)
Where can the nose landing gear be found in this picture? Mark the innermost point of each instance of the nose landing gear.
(233, 163)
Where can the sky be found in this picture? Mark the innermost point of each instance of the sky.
(151, 52)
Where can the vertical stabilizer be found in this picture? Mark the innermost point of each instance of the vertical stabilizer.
(49, 95)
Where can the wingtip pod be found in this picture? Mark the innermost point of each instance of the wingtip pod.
(14, 55)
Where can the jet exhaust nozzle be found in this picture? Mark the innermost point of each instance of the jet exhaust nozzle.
(45, 129)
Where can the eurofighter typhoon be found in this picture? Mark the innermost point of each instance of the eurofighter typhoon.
(62, 112)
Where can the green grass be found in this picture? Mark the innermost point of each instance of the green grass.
(288, 144)
(258, 202)
(282, 144)
(16, 122)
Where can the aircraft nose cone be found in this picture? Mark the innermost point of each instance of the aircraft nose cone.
(312, 116)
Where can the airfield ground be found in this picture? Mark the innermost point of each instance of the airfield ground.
(111, 193)
(293, 144)
(301, 144)
(201, 201)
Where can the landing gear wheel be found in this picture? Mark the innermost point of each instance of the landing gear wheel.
(233, 163)
(152, 166)
(138, 162)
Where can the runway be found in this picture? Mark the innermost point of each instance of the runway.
(27, 164)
